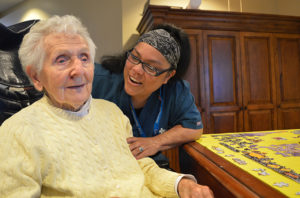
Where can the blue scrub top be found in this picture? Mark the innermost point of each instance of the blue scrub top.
(178, 108)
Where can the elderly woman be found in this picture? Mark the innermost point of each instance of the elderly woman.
(68, 144)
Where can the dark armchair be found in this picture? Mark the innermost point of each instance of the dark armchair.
(16, 91)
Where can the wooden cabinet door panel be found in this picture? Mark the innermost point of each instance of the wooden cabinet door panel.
(260, 120)
(287, 61)
(222, 122)
(289, 118)
(222, 84)
(259, 90)
(195, 75)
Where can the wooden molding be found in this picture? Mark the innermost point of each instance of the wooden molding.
(218, 20)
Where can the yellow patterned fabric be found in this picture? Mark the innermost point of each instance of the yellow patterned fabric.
(271, 156)
(47, 152)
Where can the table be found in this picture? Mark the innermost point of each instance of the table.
(244, 164)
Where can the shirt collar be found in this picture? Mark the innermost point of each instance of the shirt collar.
(84, 110)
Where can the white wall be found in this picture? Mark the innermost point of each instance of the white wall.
(265, 6)
(112, 23)
(289, 7)
(102, 18)
(132, 13)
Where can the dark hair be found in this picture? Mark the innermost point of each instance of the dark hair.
(116, 63)
(113, 63)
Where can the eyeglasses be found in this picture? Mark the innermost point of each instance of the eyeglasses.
(146, 67)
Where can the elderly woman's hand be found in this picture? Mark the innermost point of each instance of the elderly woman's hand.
(187, 188)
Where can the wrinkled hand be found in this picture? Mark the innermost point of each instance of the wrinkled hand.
(189, 189)
(150, 146)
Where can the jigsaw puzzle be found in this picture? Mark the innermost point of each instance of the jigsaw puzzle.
(272, 156)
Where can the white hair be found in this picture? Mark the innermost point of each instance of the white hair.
(32, 51)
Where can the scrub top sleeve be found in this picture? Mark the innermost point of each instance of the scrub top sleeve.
(185, 111)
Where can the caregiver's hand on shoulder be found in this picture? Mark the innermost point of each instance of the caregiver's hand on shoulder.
(187, 188)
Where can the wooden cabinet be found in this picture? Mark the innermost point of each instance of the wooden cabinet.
(287, 67)
(223, 91)
(271, 83)
(245, 68)
(258, 76)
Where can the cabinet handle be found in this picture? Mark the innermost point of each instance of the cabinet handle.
(243, 108)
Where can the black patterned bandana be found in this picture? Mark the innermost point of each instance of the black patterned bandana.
(161, 40)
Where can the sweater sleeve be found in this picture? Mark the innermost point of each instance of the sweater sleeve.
(160, 181)
(19, 176)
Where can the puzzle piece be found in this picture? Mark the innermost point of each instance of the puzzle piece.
(241, 162)
(281, 184)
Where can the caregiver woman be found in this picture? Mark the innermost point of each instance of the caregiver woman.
(146, 83)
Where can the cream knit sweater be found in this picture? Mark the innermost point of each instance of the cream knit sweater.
(47, 152)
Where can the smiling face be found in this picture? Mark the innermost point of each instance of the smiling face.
(140, 85)
(67, 71)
